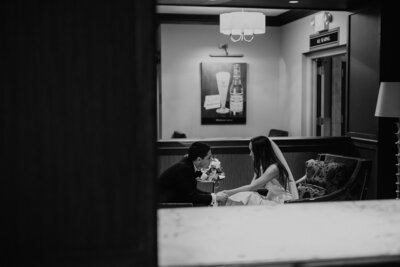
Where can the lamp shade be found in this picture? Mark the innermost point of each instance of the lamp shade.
(247, 23)
(388, 104)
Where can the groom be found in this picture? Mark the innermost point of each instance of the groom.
(178, 183)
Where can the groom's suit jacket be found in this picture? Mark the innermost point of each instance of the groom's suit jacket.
(178, 184)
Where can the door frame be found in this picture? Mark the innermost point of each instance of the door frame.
(309, 96)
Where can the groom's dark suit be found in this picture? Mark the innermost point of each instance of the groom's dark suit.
(178, 184)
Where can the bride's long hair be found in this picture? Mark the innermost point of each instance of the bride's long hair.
(264, 156)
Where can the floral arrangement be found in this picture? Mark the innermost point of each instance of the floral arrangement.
(214, 172)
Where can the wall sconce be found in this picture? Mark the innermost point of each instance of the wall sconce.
(242, 26)
(388, 105)
(226, 54)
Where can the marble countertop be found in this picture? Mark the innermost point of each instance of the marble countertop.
(295, 233)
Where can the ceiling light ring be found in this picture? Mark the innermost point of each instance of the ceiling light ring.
(240, 38)
(248, 40)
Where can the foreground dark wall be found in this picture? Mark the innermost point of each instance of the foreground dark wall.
(77, 101)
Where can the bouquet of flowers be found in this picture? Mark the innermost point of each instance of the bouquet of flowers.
(214, 172)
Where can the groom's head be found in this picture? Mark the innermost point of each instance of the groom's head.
(200, 154)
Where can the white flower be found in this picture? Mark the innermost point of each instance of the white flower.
(214, 171)
(215, 163)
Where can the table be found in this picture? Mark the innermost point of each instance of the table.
(208, 186)
(344, 232)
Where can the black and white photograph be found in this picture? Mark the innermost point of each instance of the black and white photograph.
(187, 133)
(223, 93)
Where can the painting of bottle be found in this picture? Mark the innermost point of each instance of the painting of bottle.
(236, 92)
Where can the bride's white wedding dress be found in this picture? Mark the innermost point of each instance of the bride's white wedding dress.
(276, 195)
(276, 192)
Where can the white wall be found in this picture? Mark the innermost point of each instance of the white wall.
(295, 42)
(274, 85)
(184, 47)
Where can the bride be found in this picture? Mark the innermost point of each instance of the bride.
(271, 171)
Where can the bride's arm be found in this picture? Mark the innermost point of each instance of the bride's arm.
(271, 172)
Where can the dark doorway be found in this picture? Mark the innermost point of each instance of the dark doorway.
(330, 95)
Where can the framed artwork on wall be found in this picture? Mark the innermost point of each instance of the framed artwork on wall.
(223, 93)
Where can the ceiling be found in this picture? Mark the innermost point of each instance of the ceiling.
(278, 12)
(213, 10)
(343, 5)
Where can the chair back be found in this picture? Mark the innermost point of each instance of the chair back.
(276, 132)
(358, 171)
(177, 134)
(354, 187)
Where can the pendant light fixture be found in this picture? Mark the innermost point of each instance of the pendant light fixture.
(242, 26)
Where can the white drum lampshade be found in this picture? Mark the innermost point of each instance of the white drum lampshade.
(242, 26)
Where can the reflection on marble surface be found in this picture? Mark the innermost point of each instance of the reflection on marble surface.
(282, 233)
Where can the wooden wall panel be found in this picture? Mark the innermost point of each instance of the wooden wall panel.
(363, 73)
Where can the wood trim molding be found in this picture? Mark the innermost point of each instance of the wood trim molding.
(240, 146)
(360, 135)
